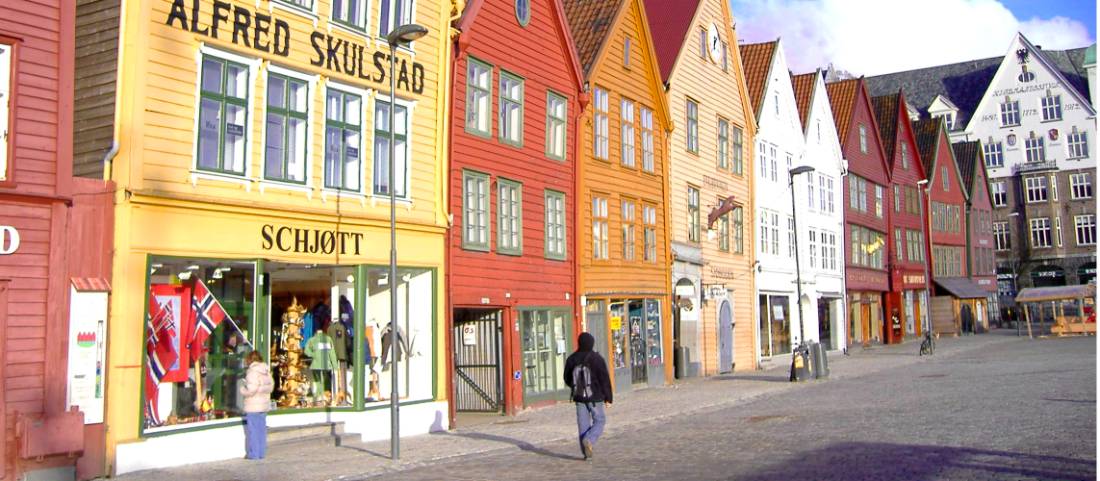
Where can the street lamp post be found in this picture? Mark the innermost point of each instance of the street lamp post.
(399, 36)
(922, 192)
(797, 265)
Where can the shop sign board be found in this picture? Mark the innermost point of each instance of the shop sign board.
(469, 335)
(9, 240)
(87, 352)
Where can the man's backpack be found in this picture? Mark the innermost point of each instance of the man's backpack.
(582, 380)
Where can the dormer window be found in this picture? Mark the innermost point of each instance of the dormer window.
(948, 120)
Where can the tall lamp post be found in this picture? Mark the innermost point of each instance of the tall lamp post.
(401, 35)
(802, 169)
(922, 191)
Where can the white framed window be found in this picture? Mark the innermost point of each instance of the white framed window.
(647, 140)
(943, 171)
(1051, 106)
(692, 130)
(790, 236)
(1010, 112)
(600, 139)
(555, 225)
(762, 153)
(649, 233)
(382, 148)
(724, 232)
(1080, 185)
(628, 220)
(738, 146)
(1077, 143)
(350, 13)
(1000, 196)
(343, 140)
(810, 190)
(285, 131)
(830, 195)
(880, 192)
(1058, 230)
(812, 234)
(6, 104)
(905, 156)
(599, 228)
(723, 144)
(393, 14)
(1035, 148)
(1036, 188)
(475, 211)
(897, 198)
(626, 52)
(626, 133)
(479, 95)
(863, 138)
(738, 230)
(510, 105)
(1085, 226)
(774, 161)
(1040, 232)
(556, 125)
(994, 153)
(509, 217)
(223, 115)
(1002, 240)
(823, 192)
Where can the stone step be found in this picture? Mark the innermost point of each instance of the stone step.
(292, 434)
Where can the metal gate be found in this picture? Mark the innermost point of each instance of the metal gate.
(477, 347)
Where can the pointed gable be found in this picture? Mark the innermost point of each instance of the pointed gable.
(590, 23)
(804, 96)
(965, 155)
(670, 24)
(757, 59)
(842, 97)
(886, 112)
(926, 131)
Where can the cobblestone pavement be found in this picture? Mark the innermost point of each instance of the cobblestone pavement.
(984, 407)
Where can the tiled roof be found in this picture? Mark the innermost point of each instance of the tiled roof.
(590, 22)
(886, 113)
(842, 97)
(669, 22)
(803, 94)
(925, 130)
(967, 156)
(757, 59)
(965, 83)
(91, 284)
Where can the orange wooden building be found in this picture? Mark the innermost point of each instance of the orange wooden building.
(622, 190)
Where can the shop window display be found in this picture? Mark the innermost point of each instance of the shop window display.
(196, 338)
(775, 325)
(413, 341)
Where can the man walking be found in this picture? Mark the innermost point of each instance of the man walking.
(586, 375)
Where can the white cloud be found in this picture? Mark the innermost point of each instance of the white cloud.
(872, 37)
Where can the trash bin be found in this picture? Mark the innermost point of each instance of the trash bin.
(820, 361)
(801, 369)
(681, 360)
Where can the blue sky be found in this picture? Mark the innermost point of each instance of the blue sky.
(870, 37)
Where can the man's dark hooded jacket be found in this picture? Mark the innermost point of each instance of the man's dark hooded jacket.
(601, 382)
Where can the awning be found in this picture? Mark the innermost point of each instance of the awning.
(962, 288)
(1057, 293)
(91, 284)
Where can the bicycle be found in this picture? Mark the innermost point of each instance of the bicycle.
(928, 345)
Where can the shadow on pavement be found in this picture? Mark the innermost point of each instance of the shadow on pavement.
(783, 378)
(522, 445)
(846, 461)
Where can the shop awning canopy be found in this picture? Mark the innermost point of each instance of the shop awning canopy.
(962, 288)
(1058, 293)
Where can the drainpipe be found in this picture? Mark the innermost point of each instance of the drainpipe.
(109, 157)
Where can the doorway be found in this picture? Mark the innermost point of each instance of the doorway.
(725, 338)
(638, 356)
(865, 322)
(477, 346)
(824, 324)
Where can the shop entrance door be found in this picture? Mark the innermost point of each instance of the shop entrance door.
(638, 355)
(725, 338)
(477, 360)
(824, 325)
(865, 321)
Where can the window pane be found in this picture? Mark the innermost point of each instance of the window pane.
(275, 147)
(276, 92)
(209, 133)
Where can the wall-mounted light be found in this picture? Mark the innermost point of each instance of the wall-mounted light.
(351, 278)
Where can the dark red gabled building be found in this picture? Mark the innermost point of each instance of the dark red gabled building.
(908, 298)
(867, 199)
(953, 293)
(980, 243)
(516, 95)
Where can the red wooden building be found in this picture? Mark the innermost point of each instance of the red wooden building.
(979, 224)
(907, 303)
(54, 251)
(866, 209)
(516, 96)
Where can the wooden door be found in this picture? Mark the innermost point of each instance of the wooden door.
(865, 321)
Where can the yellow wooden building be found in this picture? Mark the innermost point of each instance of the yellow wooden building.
(250, 150)
(622, 192)
(711, 197)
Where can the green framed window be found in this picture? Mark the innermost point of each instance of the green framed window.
(301, 4)
(628, 218)
(626, 133)
(555, 225)
(392, 14)
(649, 232)
(556, 127)
(479, 94)
(223, 116)
(510, 217)
(350, 13)
(382, 149)
(738, 230)
(723, 144)
(286, 139)
(343, 140)
(475, 211)
(724, 232)
(647, 140)
(692, 130)
(738, 163)
(511, 109)
(693, 214)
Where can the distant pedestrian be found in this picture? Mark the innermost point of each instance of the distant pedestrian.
(967, 320)
(256, 390)
(586, 375)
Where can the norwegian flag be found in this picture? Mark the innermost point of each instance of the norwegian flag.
(161, 355)
(208, 314)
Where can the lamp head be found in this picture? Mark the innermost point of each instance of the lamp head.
(405, 34)
(922, 181)
(802, 169)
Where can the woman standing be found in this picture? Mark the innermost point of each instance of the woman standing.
(257, 400)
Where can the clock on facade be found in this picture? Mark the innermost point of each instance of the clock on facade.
(714, 43)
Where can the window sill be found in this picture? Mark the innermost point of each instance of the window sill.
(471, 248)
(334, 24)
(196, 175)
(289, 186)
(295, 9)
